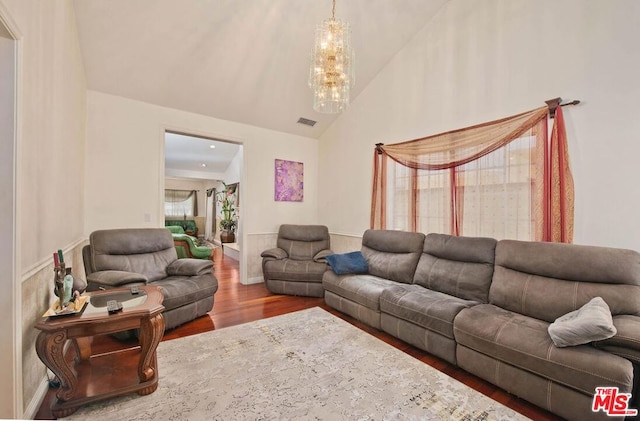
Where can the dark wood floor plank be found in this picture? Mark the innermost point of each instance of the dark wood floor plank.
(236, 304)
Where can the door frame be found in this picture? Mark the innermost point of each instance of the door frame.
(219, 137)
(11, 395)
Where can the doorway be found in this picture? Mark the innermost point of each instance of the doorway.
(10, 299)
(203, 168)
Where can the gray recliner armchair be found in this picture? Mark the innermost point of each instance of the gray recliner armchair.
(296, 265)
(125, 257)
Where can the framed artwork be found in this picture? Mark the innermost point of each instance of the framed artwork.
(289, 181)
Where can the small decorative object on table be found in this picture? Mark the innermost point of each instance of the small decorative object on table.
(66, 288)
(74, 307)
(59, 271)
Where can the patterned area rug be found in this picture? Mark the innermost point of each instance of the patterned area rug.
(299, 366)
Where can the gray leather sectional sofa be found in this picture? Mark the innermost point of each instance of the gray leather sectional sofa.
(485, 305)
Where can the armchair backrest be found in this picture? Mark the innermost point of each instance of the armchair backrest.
(147, 251)
(175, 229)
(302, 242)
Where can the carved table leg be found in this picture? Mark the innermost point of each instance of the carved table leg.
(49, 347)
(151, 331)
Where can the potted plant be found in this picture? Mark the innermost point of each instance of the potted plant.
(228, 221)
(227, 230)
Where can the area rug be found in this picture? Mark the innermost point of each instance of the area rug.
(307, 365)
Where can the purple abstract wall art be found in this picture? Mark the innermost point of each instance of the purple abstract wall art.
(289, 176)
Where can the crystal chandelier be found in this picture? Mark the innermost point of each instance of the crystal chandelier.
(331, 73)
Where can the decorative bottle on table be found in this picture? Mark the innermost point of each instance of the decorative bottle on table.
(59, 271)
(68, 286)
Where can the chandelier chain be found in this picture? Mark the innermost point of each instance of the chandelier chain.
(333, 11)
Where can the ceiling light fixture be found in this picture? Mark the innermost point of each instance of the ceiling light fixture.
(331, 74)
(212, 146)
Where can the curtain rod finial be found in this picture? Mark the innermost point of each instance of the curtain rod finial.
(553, 104)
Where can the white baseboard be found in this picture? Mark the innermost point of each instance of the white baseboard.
(255, 280)
(234, 254)
(38, 397)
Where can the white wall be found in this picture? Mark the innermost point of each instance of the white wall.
(233, 174)
(481, 60)
(125, 160)
(52, 129)
(49, 170)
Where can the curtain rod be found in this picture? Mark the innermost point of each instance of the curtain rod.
(551, 103)
(556, 102)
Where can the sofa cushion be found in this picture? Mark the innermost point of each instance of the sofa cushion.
(182, 290)
(458, 266)
(343, 264)
(392, 254)
(523, 342)
(525, 272)
(431, 310)
(294, 270)
(362, 289)
(591, 322)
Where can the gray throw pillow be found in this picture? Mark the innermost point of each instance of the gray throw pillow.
(591, 322)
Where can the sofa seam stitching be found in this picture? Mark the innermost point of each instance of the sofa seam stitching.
(407, 308)
(537, 357)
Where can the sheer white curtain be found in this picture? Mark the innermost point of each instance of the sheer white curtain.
(497, 192)
(490, 197)
(180, 203)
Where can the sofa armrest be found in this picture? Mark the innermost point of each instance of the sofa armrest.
(628, 335)
(321, 256)
(626, 342)
(632, 355)
(189, 267)
(115, 278)
(275, 253)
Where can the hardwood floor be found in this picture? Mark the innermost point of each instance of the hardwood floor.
(236, 303)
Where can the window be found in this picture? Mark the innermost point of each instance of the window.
(501, 179)
(181, 203)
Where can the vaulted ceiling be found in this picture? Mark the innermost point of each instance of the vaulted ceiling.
(239, 60)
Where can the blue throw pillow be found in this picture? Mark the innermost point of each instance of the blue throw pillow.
(343, 264)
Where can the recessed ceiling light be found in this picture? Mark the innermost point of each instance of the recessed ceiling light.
(212, 146)
(204, 165)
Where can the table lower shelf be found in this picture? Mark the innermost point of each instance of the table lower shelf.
(103, 377)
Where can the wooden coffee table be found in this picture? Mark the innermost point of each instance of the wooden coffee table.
(143, 311)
